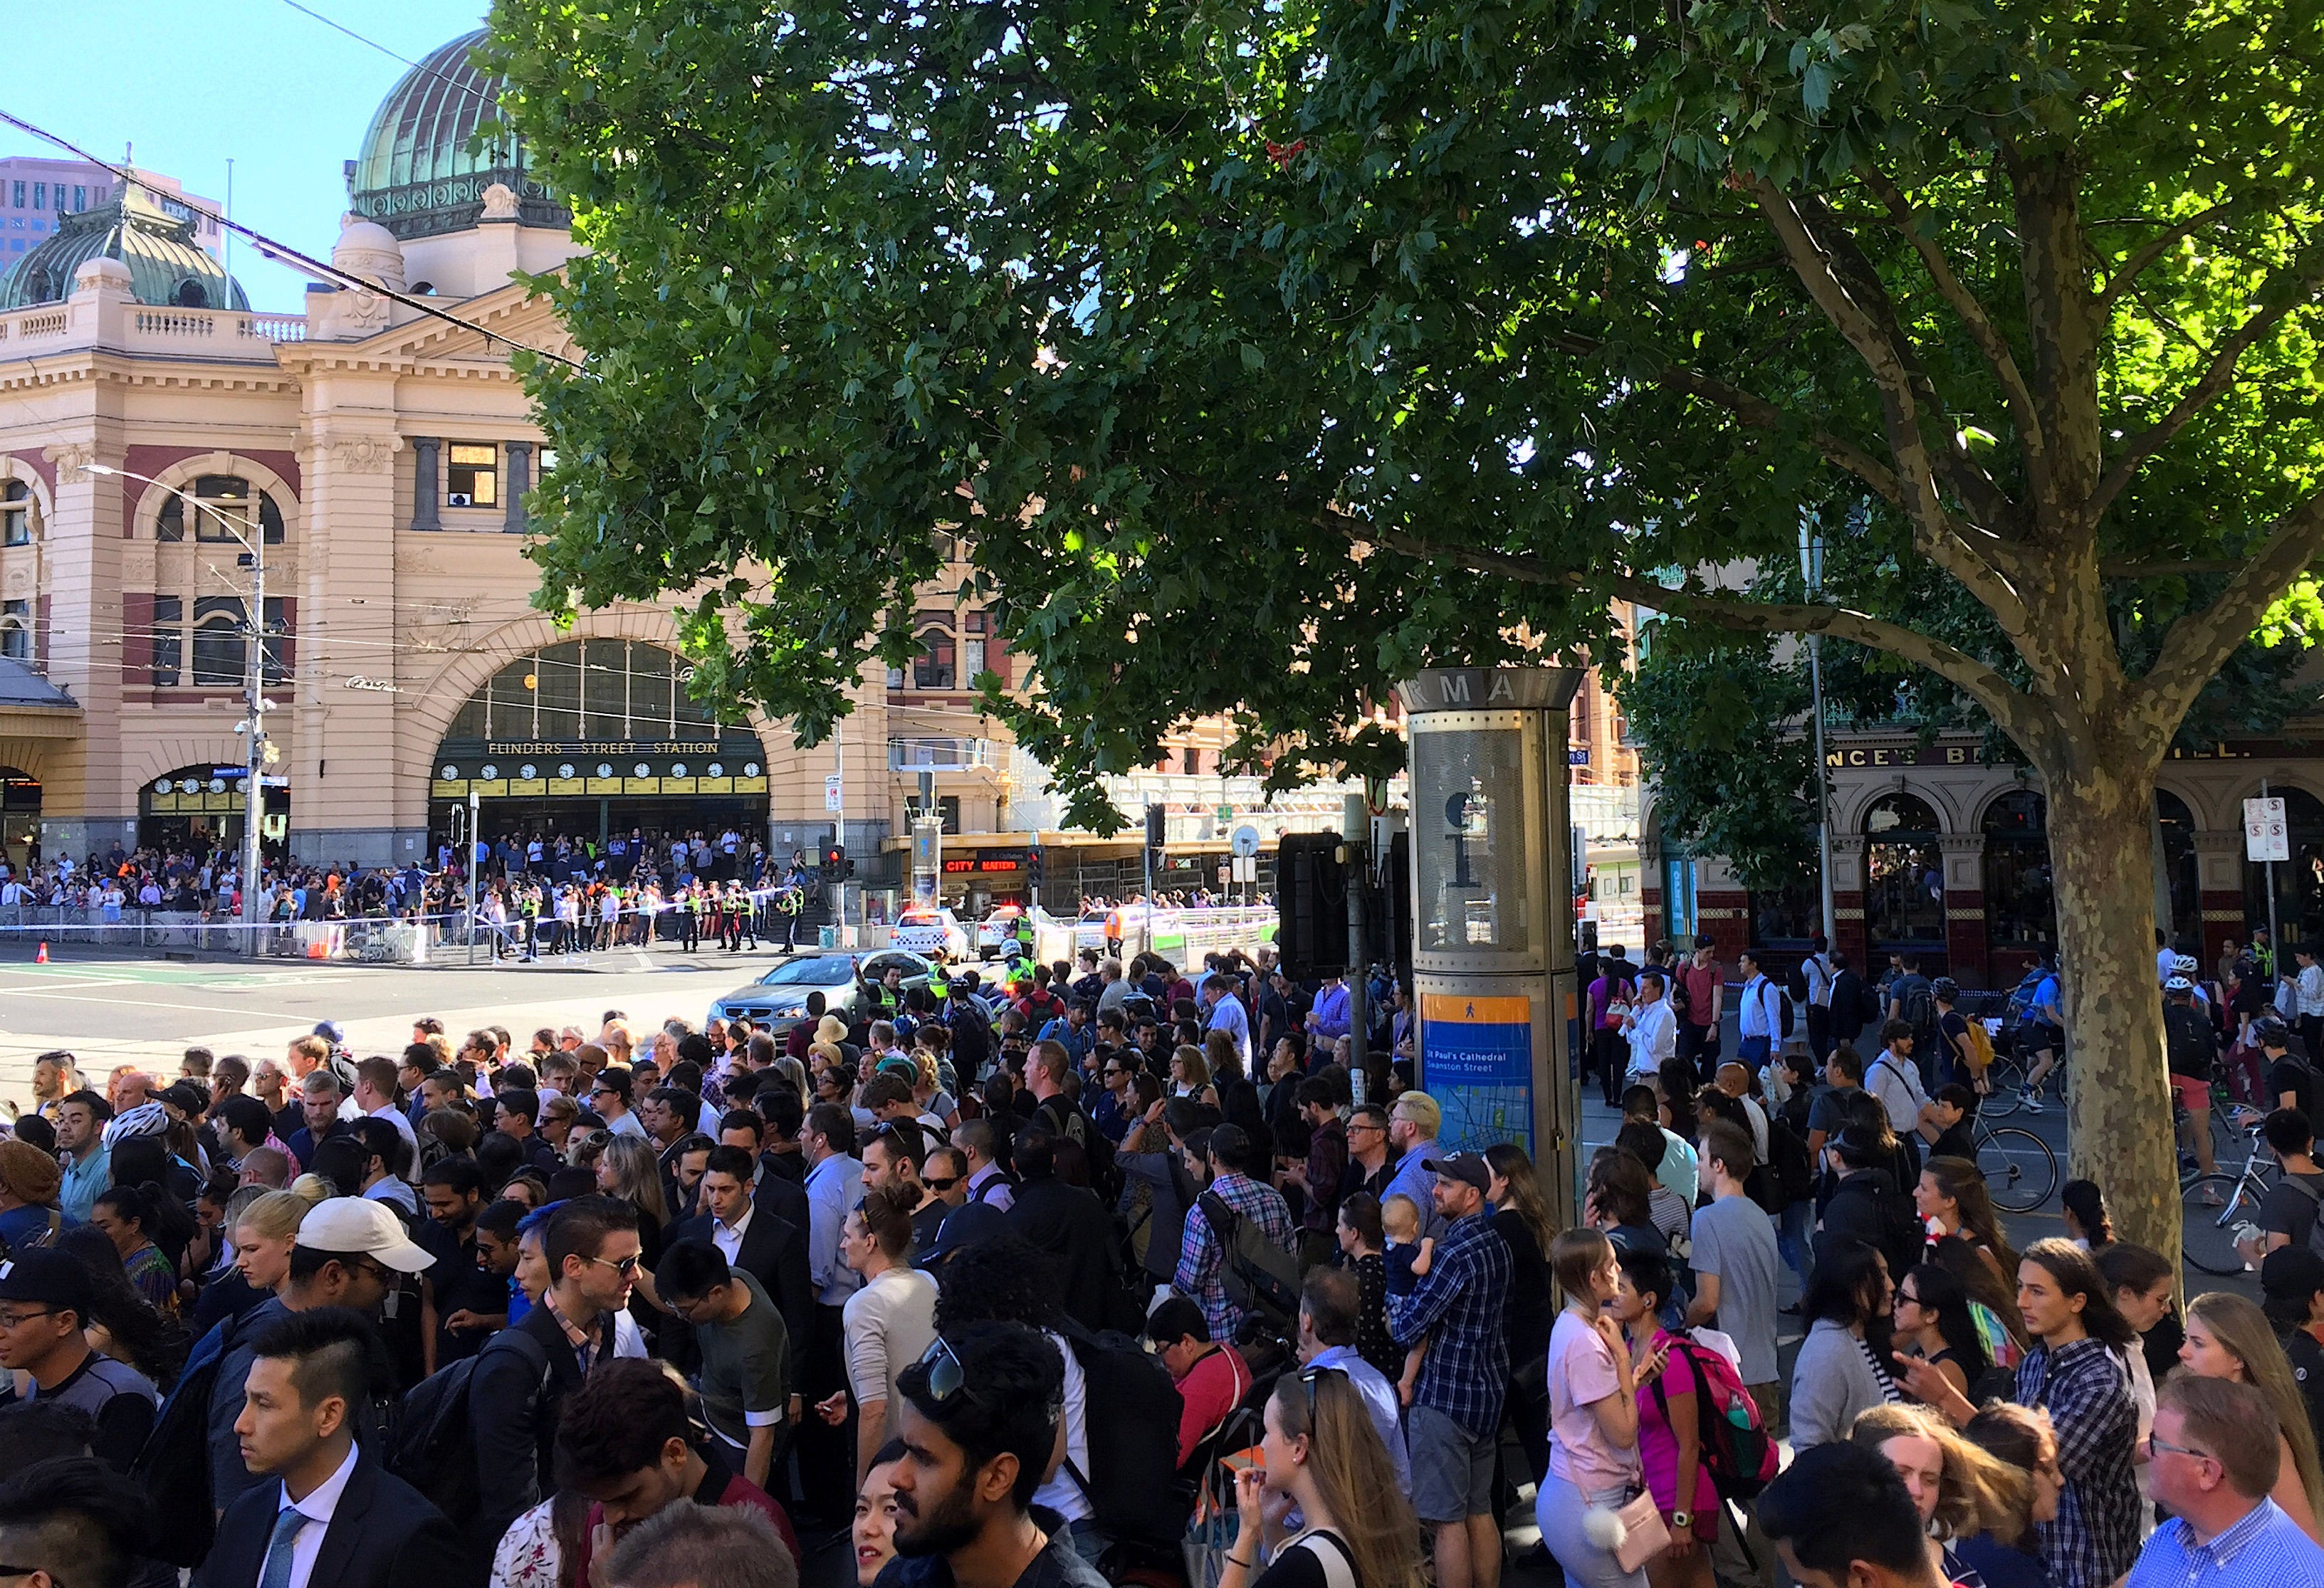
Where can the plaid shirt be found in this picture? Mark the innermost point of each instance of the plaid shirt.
(1458, 1306)
(1200, 1257)
(2266, 1549)
(2086, 1392)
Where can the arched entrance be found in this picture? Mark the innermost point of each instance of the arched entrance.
(1903, 883)
(2298, 882)
(592, 742)
(19, 818)
(195, 810)
(2021, 907)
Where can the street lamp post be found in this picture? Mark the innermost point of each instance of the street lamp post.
(254, 556)
(1812, 571)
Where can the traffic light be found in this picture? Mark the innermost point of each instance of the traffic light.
(835, 861)
(1311, 887)
(1036, 866)
(1157, 826)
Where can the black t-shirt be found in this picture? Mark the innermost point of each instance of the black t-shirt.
(1302, 1566)
(1952, 1030)
(458, 1284)
(1955, 1143)
(2288, 1210)
(2288, 1074)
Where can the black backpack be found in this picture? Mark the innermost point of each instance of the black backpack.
(1796, 983)
(173, 1467)
(433, 1446)
(1791, 1171)
(1920, 1014)
(1789, 1004)
(1258, 1275)
(1132, 1413)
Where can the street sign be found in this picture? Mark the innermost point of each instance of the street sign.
(1577, 755)
(1226, 874)
(1246, 868)
(1226, 814)
(831, 796)
(2266, 837)
(1246, 840)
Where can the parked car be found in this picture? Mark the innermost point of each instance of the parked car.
(925, 930)
(777, 1001)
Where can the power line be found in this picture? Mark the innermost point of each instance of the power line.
(469, 88)
(328, 272)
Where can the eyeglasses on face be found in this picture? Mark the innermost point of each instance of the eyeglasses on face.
(14, 1319)
(2156, 1444)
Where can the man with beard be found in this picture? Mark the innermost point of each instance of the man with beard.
(978, 1428)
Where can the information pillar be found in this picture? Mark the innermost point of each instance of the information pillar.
(1492, 903)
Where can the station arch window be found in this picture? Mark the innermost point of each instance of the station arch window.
(1904, 876)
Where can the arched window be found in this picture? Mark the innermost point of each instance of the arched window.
(220, 652)
(2021, 910)
(191, 294)
(227, 505)
(2298, 882)
(585, 690)
(1904, 875)
(933, 667)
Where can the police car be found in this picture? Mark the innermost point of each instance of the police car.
(924, 930)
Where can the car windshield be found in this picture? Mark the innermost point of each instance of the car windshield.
(815, 973)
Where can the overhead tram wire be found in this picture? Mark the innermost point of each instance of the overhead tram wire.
(340, 27)
(330, 273)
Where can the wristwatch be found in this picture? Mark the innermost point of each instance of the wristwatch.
(1682, 1519)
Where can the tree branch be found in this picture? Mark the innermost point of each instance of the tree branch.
(2199, 643)
(2216, 378)
(2119, 282)
(1991, 341)
(1758, 414)
(2010, 707)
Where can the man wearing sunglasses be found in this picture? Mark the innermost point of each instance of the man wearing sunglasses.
(979, 1425)
(348, 1253)
(525, 1372)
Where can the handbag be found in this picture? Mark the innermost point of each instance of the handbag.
(1645, 1535)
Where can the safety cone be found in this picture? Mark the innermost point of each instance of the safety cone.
(43, 957)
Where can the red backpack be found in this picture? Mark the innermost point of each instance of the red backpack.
(1736, 1452)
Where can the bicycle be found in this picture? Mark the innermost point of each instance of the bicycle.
(2209, 1204)
(2020, 1172)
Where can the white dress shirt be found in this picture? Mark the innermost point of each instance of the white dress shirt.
(1760, 1013)
(318, 1508)
(729, 1240)
(1653, 1036)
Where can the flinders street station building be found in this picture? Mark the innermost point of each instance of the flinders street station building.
(382, 456)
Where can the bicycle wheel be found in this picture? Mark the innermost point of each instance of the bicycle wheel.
(2009, 1079)
(2020, 1170)
(2207, 1213)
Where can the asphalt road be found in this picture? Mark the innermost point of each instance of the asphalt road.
(113, 1008)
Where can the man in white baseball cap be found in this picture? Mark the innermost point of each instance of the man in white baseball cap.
(349, 1252)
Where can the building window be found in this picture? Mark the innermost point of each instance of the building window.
(1904, 874)
(2021, 910)
(169, 640)
(220, 650)
(17, 631)
(80, 197)
(1190, 760)
(224, 513)
(933, 667)
(16, 513)
(19, 196)
(472, 478)
(40, 195)
(971, 658)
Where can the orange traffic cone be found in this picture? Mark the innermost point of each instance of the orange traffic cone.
(43, 957)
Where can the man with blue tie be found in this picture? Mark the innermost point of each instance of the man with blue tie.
(334, 1518)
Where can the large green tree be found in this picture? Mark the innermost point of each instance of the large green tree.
(1266, 352)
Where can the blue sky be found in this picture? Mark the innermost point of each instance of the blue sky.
(193, 85)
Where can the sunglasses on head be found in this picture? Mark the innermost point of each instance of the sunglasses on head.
(947, 1378)
(1307, 1377)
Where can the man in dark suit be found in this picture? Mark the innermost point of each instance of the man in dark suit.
(1071, 1225)
(334, 1518)
(1848, 1001)
(755, 1238)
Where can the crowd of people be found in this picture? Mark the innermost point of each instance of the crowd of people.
(1096, 1272)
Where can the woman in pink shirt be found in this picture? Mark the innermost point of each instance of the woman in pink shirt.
(1670, 1439)
(1593, 1413)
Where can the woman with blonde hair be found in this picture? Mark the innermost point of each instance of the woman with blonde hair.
(1960, 1488)
(1322, 1452)
(2009, 1553)
(1219, 1054)
(2229, 1337)
(264, 1234)
(1190, 1075)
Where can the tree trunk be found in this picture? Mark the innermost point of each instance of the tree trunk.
(2118, 1109)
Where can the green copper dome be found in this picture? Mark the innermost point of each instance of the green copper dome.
(152, 234)
(421, 173)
